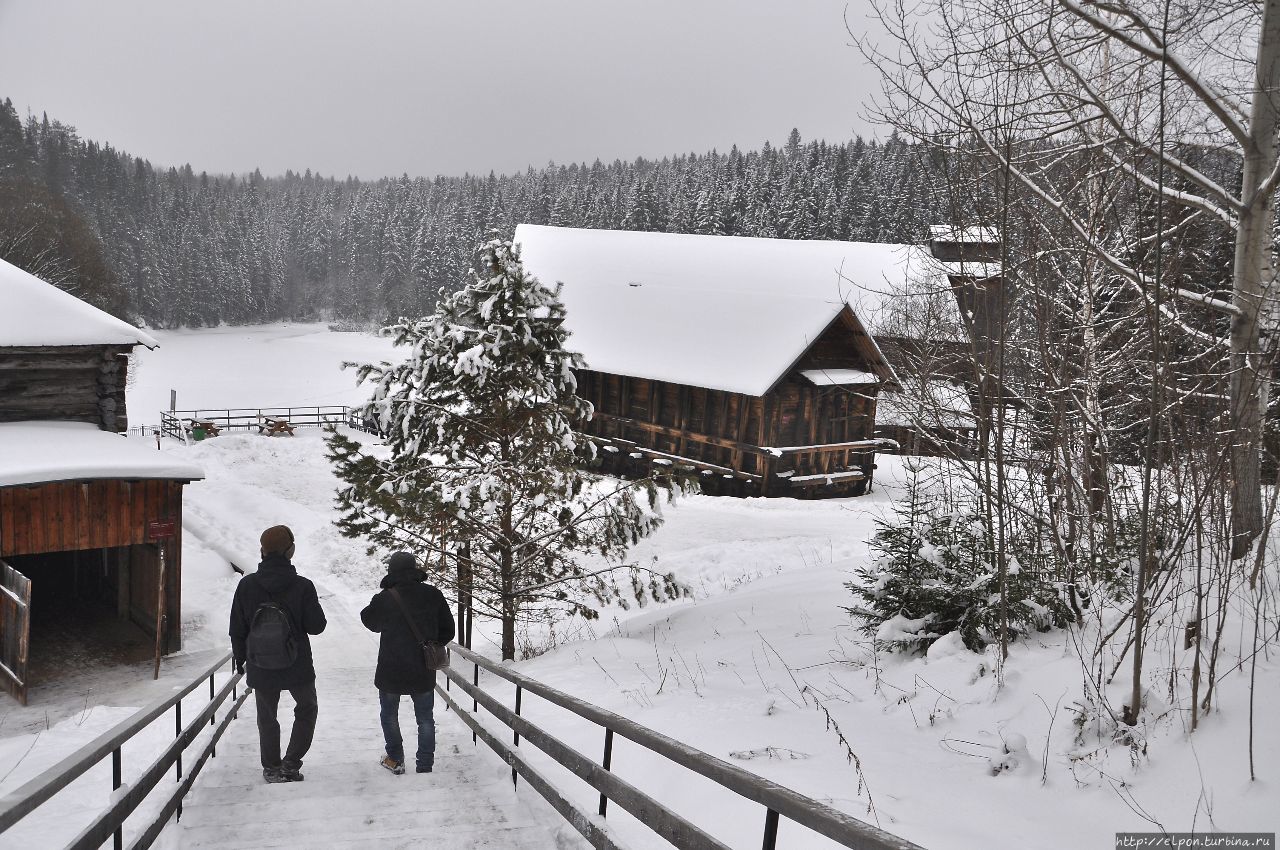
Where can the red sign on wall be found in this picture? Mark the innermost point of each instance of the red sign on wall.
(158, 529)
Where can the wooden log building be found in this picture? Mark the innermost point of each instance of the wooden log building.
(746, 360)
(84, 512)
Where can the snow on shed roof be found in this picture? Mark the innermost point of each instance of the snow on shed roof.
(34, 312)
(926, 403)
(971, 234)
(725, 312)
(43, 452)
(839, 377)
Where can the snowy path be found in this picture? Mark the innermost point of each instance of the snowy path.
(348, 800)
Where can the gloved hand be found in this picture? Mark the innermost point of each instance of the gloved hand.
(239, 665)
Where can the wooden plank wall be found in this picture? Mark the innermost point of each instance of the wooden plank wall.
(796, 413)
(80, 383)
(64, 516)
(725, 416)
(802, 414)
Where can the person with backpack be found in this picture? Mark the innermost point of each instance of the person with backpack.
(272, 615)
(407, 613)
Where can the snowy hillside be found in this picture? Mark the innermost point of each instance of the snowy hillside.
(762, 666)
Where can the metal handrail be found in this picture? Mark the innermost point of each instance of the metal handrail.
(778, 800)
(20, 802)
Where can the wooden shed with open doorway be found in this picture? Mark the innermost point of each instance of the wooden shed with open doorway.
(85, 512)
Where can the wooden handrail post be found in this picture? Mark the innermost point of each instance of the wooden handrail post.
(608, 761)
(475, 704)
(116, 779)
(519, 694)
(177, 733)
(770, 830)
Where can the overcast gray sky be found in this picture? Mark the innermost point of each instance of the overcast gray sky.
(382, 87)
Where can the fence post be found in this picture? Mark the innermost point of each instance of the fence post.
(608, 760)
(213, 751)
(118, 838)
(770, 830)
(519, 693)
(177, 733)
(475, 704)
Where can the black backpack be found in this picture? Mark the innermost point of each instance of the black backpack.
(272, 645)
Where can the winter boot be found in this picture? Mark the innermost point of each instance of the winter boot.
(273, 775)
(396, 767)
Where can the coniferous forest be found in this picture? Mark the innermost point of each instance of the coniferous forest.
(175, 246)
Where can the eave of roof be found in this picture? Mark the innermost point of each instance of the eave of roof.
(45, 452)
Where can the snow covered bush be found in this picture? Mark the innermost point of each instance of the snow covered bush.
(934, 573)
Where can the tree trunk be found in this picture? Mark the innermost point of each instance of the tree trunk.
(507, 562)
(1253, 277)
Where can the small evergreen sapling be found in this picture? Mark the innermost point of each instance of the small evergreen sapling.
(935, 573)
(484, 467)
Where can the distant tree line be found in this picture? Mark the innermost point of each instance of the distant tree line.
(174, 247)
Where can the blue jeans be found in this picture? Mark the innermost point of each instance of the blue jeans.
(423, 711)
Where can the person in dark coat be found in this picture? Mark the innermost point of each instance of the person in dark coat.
(401, 667)
(277, 580)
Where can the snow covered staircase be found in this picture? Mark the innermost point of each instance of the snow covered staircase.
(348, 800)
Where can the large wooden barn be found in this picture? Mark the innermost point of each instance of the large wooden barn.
(85, 513)
(745, 359)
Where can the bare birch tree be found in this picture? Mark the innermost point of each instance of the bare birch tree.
(1132, 89)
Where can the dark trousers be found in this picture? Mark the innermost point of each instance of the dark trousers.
(305, 709)
(423, 712)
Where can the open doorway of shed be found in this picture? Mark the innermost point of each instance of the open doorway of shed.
(83, 614)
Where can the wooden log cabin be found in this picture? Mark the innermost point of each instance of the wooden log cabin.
(746, 360)
(84, 512)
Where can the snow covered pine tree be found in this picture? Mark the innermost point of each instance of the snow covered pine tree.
(485, 469)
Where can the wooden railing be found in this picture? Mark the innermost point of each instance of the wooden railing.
(780, 468)
(778, 802)
(174, 423)
(680, 832)
(110, 822)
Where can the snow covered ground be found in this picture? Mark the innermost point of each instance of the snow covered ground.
(762, 667)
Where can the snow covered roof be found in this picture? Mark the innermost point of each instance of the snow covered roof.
(37, 313)
(927, 403)
(972, 234)
(970, 268)
(730, 313)
(839, 377)
(42, 452)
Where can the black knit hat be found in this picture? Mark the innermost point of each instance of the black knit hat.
(402, 561)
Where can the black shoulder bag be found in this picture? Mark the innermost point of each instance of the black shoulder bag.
(435, 654)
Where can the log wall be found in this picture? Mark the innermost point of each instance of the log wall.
(81, 383)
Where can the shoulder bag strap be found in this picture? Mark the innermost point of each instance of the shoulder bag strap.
(404, 609)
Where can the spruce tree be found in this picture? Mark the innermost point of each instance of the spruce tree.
(483, 466)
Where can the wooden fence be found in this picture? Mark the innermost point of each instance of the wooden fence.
(676, 830)
(109, 824)
(777, 801)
